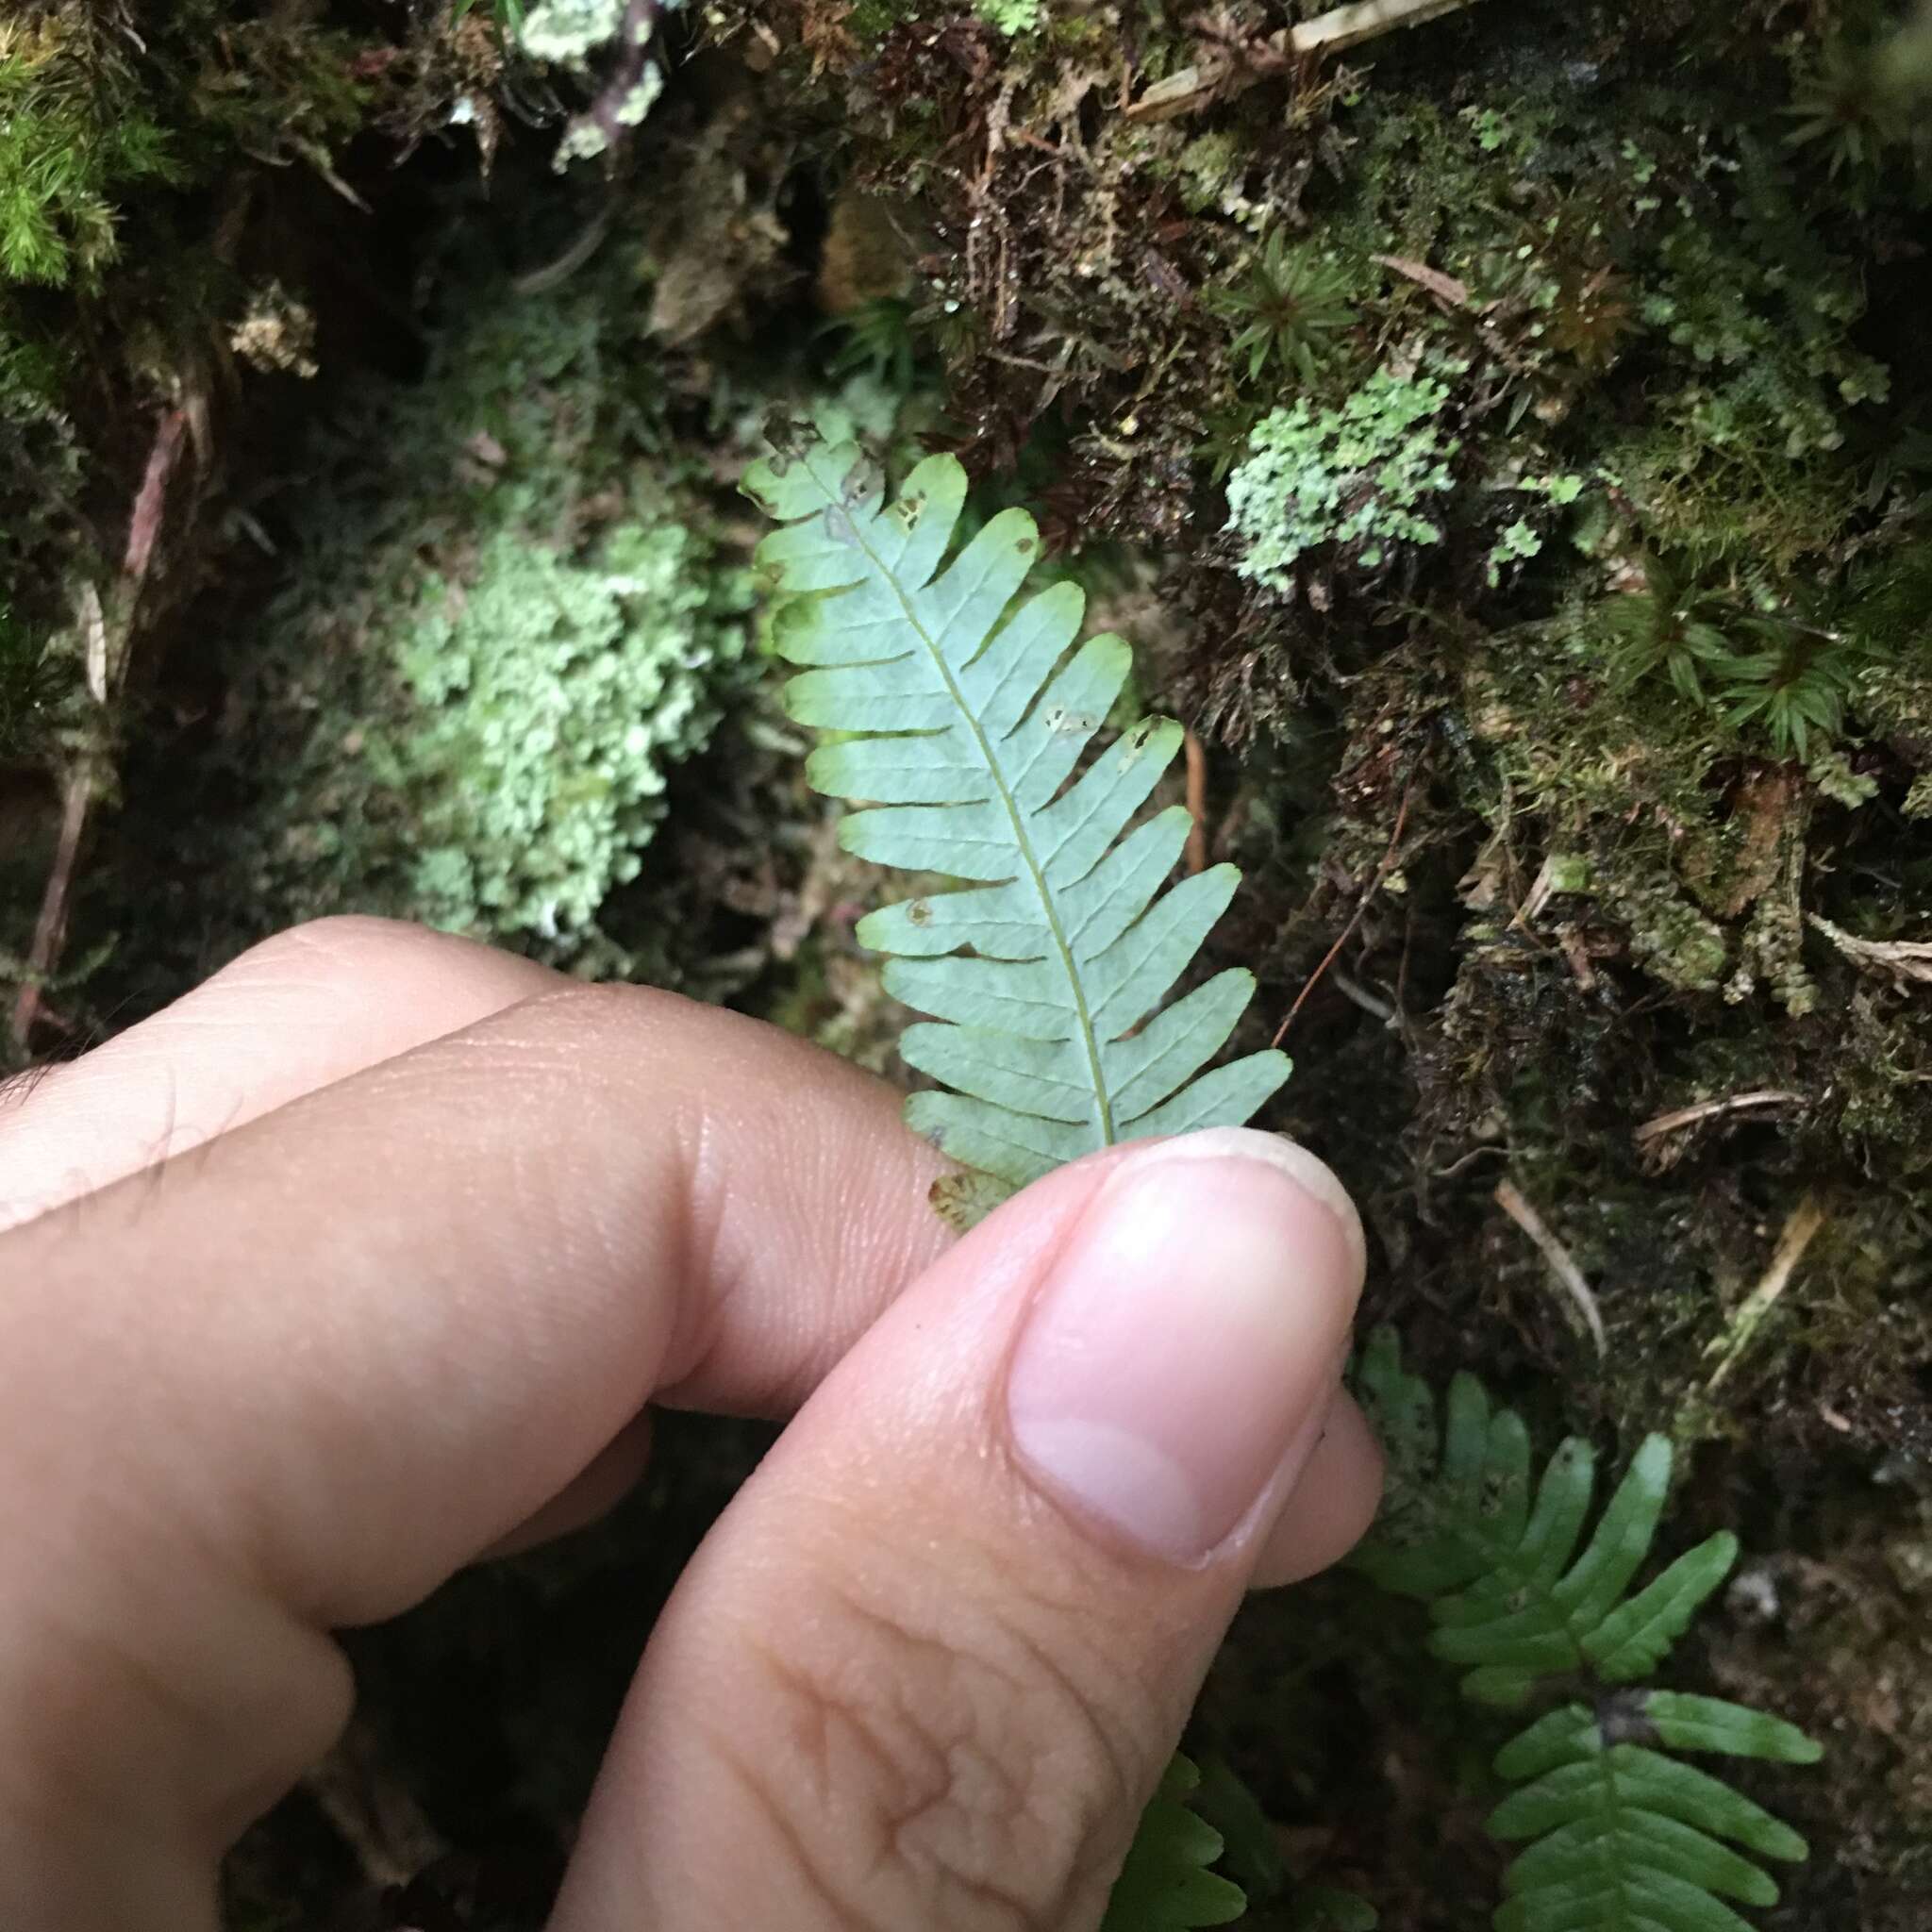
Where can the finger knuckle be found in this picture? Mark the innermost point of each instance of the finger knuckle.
(339, 951)
(346, 938)
(594, 1015)
(947, 1761)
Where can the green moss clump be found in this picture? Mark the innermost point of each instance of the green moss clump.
(34, 682)
(72, 142)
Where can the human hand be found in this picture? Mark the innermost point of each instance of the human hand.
(364, 1260)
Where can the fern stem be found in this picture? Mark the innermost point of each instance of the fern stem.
(1614, 1809)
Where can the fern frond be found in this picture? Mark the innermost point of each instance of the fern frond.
(1252, 1857)
(1624, 1837)
(1628, 1838)
(968, 716)
(1165, 1885)
(1513, 1597)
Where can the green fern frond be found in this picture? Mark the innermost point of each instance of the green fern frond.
(1328, 1908)
(1624, 1837)
(1252, 1857)
(1166, 1885)
(1513, 1599)
(968, 724)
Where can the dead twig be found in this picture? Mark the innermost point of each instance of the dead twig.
(1800, 1229)
(1569, 1276)
(144, 523)
(104, 656)
(1197, 799)
(1382, 871)
(1225, 66)
(50, 927)
(1347, 27)
(1360, 996)
(1905, 961)
(551, 274)
(1710, 1110)
(1446, 289)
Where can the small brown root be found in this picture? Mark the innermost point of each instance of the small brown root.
(1568, 1274)
(1197, 801)
(1800, 1229)
(1683, 1117)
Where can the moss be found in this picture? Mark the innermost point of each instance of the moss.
(74, 140)
(1207, 170)
(871, 19)
(1667, 936)
(131, 167)
(1533, 873)
(34, 684)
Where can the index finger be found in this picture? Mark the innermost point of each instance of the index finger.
(296, 1377)
(301, 1009)
(355, 1342)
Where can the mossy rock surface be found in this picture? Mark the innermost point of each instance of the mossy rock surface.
(1588, 701)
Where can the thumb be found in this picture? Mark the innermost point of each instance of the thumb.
(926, 1669)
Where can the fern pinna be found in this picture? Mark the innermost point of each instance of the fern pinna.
(1167, 1884)
(968, 715)
(1623, 1836)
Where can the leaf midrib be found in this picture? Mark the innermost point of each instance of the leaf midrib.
(1017, 818)
(1613, 1805)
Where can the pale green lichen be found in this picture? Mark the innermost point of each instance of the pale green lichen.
(586, 138)
(1831, 771)
(566, 33)
(554, 693)
(1359, 475)
(476, 683)
(1011, 16)
(1518, 544)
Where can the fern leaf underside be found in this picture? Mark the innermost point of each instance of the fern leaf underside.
(967, 717)
(1624, 1837)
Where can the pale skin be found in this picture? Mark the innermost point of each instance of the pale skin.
(367, 1259)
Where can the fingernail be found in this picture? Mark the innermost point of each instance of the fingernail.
(1187, 1336)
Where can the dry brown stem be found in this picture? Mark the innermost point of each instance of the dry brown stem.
(1197, 800)
(104, 653)
(1710, 1110)
(1569, 1276)
(1348, 27)
(1800, 1228)
(1341, 938)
